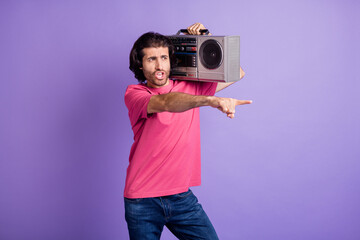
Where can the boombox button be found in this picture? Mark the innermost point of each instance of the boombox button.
(191, 49)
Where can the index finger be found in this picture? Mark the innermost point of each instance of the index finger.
(242, 102)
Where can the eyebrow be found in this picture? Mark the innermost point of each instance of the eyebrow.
(154, 57)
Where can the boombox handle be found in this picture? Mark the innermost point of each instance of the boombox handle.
(202, 31)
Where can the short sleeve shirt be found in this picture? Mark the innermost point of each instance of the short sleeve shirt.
(165, 156)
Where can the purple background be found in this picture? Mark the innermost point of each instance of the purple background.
(287, 167)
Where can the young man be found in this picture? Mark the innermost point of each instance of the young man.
(165, 156)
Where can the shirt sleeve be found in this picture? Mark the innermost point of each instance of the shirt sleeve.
(206, 88)
(137, 100)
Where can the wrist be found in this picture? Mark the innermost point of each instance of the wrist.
(212, 101)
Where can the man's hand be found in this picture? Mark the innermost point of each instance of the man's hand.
(227, 105)
(195, 29)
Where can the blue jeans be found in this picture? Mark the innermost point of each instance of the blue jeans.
(180, 213)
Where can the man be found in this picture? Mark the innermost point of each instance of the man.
(165, 157)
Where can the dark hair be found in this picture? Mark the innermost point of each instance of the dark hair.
(150, 39)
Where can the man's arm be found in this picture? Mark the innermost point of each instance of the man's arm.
(180, 102)
(221, 85)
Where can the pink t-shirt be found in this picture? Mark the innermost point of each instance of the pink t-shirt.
(165, 156)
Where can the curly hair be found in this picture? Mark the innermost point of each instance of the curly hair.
(149, 39)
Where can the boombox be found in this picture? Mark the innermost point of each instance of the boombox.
(206, 58)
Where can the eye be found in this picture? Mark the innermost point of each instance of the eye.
(164, 57)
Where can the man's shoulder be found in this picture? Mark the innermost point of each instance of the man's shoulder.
(184, 83)
(139, 86)
(135, 91)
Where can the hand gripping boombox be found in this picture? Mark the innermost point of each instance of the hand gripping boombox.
(206, 58)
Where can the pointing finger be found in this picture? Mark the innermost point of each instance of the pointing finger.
(242, 102)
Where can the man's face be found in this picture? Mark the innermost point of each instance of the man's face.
(156, 66)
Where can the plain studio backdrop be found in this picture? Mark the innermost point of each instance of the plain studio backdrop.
(286, 168)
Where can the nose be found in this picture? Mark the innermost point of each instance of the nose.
(158, 64)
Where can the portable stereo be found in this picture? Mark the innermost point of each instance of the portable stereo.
(206, 58)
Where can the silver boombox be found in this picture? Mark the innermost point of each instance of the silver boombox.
(206, 58)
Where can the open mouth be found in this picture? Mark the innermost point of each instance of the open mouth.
(160, 75)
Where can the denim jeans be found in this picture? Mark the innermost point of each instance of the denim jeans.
(180, 213)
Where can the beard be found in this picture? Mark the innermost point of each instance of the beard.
(157, 79)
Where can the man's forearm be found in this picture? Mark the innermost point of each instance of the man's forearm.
(180, 102)
(177, 102)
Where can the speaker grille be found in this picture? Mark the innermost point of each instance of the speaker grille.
(211, 54)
